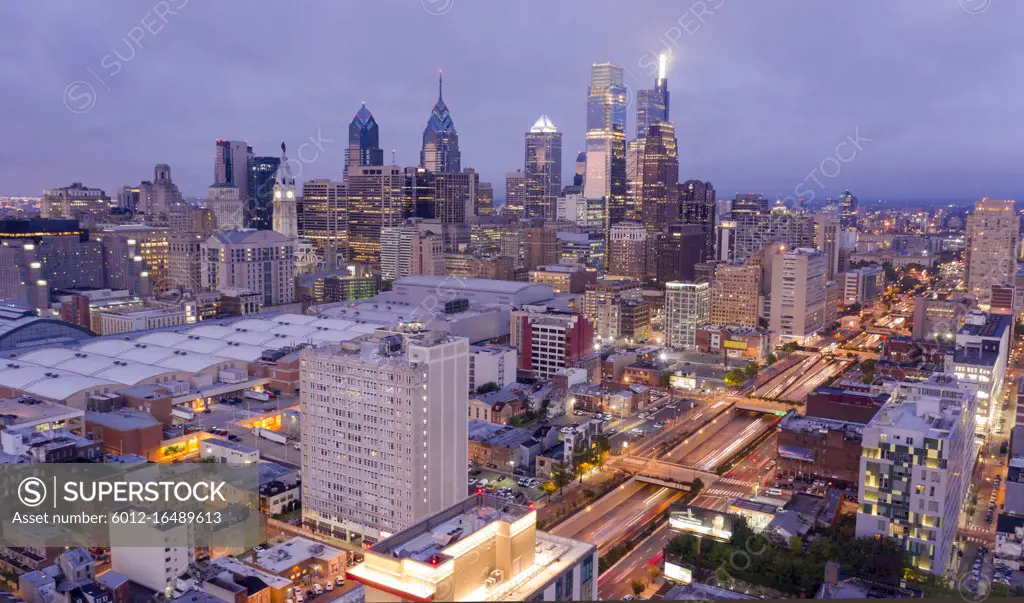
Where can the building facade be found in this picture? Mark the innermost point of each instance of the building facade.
(396, 404)
(687, 307)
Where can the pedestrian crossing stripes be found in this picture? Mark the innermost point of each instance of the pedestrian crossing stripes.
(735, 482)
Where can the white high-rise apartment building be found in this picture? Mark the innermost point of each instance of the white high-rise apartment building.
(992, 232)
(384, 431)
(687, 306)
(918, 456)
(406, 251)
(798, 293)
(262, 261)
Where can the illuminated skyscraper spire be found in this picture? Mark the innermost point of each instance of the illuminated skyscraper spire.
(440, 152)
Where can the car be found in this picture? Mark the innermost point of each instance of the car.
(519, 471)
(299, 597)
(481, 482)
(627, 598)
(607, 416)
(339, 581)
(476, 472)
(659, 425)
(328, 586)
(234, 438)
(471, 480)
(491, 466)
(567, 430)
(297, 446)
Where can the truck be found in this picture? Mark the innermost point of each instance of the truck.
(273, 436)
(255, 395)
(183, 413)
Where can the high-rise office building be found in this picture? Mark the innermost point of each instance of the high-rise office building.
(259, 207)
(849, 209)
(134, 257)
(515, 194)
(261, 261)
(232, 164)
(826, 239)
(540, 246)
(484, 199)
(601, 303)
(324, 219)
(697, 206)
(363, 141)
(606, 141)
(580, 173)
(158, 198)
(75, 202)
(39, 255)
(798, 294)
(746, 203)
(627, 250)
(735, 290)
(440, 152)
(687, 307)
(673, 252)
(543, 169)
(396, 404)
(655, 198)
(756, 230)
(227, 205)
(993, 231)
(128, 198)
(652, 105)
(285, 205)
(454, 196)
(408, 251)
(374, 199)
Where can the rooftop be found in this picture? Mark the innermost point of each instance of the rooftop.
(122, 419)
(26, 409)
(493, 434)
(284, 556)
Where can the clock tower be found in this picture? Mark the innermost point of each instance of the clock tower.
(286, 215)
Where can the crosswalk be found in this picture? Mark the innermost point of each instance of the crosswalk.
(719, 492)
(732, 481)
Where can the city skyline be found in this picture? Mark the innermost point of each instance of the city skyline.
(764, 117)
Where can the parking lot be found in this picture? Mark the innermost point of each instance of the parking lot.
(502, 480)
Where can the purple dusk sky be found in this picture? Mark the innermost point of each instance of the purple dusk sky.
(762, 92)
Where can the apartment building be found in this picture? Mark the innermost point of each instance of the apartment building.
(687, 307)
(393, 405)
(735, 295)
(550, 342)
(917, 459)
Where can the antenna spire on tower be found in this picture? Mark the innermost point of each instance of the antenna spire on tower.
(439, 84)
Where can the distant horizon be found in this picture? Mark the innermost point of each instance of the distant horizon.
(784, 98)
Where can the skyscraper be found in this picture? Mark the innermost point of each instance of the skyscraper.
(657, 177)
(627, 250)
(849, 209)
(286, 215)
(515, 194)
(374, 199)
(440, 152)
(259, 210)
(992, 236)
(543, 171)
(697, 206)
(324, 218)
(484, 199)
(606, 141)
(232, 162)
(652, 105)
(363, 141)
(826, 239)
(157, 198)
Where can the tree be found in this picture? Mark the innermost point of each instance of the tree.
(561, 476)
(771, 359)
(751, 370)
(735, 378)
(488, 387)
(722, 576)
(638, 587)
(548, 487)
(653, 573)
(582, 469)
